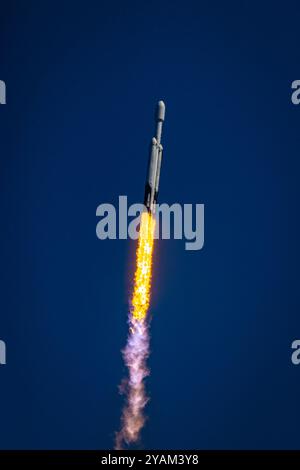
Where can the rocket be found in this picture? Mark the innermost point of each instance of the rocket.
(154, 162)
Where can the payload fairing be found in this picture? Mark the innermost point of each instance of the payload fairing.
(154, 164)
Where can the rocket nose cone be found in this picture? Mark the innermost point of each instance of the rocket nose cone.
(161, 109)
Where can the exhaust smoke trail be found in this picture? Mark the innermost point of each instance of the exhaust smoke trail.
(136, 350)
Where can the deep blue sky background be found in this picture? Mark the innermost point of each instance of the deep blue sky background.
(82, 81)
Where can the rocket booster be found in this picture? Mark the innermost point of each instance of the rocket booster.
(154, 163)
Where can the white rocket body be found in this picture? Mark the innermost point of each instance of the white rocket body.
(154, 164)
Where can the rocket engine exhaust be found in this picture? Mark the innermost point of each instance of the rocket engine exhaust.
(136, 351)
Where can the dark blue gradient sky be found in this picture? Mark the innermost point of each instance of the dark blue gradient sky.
(82, 80)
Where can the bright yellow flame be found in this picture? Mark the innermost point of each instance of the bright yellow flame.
(143, 272)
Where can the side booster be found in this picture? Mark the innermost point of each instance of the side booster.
(154, 163)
